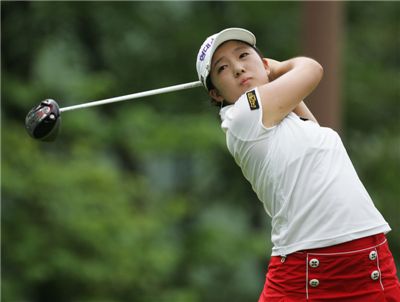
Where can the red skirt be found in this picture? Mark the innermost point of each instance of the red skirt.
(361, 270)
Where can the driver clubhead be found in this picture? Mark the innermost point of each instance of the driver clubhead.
(43, 121)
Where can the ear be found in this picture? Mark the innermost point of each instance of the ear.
(215, 95)
(266, 65)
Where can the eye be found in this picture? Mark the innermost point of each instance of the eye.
(221, 68)
(243, 54)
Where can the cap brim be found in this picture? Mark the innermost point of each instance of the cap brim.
(233, 34)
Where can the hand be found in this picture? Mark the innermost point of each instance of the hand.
(274, 69)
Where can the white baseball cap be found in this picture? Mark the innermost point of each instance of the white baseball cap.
(207, 49)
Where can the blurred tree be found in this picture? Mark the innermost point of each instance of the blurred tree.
(372, 111)
(322, 40)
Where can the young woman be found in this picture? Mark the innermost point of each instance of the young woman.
(328, 237)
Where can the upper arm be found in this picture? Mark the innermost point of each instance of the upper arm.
(282, 95)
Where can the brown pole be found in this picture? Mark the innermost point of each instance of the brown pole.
(322, 40)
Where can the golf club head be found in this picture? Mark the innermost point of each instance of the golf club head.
(43, 121)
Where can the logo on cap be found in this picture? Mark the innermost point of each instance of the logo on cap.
(205, 48)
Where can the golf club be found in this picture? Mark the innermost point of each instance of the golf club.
(43, 121)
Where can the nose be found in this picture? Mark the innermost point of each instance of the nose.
(238, 69)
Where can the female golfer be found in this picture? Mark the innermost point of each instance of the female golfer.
(328, 238)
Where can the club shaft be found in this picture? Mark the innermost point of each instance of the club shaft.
(133, 96)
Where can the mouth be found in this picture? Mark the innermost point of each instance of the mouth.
(245, 81)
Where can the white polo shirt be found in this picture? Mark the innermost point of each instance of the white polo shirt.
(303, 176)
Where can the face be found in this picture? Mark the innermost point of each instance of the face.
(236, 68)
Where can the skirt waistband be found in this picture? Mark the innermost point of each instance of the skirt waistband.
(350, 246)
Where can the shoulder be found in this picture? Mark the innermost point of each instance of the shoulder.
(244, 118)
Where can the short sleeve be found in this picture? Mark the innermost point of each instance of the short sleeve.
(244, 118)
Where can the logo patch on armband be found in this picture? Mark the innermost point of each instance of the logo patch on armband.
(252, 99)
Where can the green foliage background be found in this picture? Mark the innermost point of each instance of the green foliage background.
(140, 201)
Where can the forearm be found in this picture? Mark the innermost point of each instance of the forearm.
(302, 111)
(279, 68)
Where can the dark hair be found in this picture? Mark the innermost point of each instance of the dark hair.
(211, 86)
